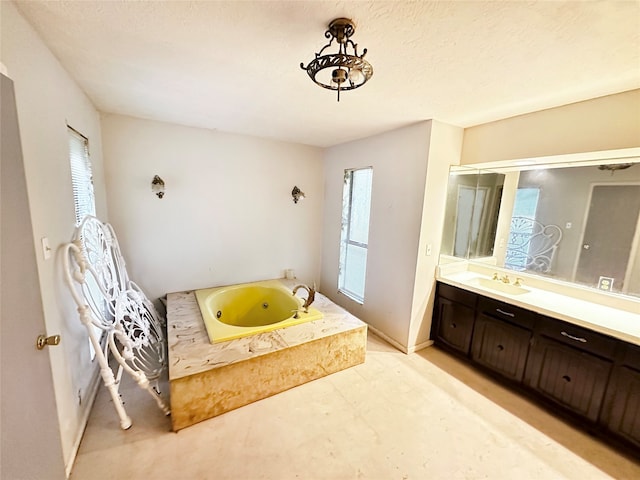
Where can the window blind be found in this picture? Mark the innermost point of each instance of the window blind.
(81, 177)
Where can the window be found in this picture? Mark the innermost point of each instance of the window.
(523, 226)
(81, 178)
(356, 206)
(82, 185)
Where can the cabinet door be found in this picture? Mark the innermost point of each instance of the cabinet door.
(622, 415)
(501, 347)
(455, 325)
(570, 377)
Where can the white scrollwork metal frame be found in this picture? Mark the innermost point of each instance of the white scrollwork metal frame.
(119, 318)
(532, 245)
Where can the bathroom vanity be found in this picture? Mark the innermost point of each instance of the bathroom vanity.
(579, 358)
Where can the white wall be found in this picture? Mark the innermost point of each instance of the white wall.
(604, 123)
(227, 216)
(47, 99)
(399, 161)
(445, 147)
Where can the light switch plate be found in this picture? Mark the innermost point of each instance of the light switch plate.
(46, 248)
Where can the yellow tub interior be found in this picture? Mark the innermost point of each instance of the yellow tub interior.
(250, 308)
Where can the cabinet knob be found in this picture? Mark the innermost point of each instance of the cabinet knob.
(500, 348)
(453, 325)
(566, 378)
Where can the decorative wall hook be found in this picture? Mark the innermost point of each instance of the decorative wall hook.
(157, 186)
(297, 194)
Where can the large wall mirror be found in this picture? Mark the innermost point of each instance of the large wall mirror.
(572, 222)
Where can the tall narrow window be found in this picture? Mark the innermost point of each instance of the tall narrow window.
(356, 206)
(82, 185)
(523, 226)
(81, 178)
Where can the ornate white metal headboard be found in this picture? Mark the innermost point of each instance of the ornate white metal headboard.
(114, 309)
(532, 245)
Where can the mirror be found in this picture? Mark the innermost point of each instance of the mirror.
(577, 223)
(471, 213)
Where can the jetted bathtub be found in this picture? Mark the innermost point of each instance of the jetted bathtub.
(246, 309)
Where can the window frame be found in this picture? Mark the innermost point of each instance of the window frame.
(81, 172)
(345, 235)
(84, 200)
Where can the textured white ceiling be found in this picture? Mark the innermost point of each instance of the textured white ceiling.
(235, 65)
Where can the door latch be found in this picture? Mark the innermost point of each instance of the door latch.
(43, 341)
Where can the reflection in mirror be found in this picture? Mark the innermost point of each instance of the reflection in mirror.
(574, 223)
(473, 203)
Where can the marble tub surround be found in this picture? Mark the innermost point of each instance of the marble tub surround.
(210, 379)
(617, 317)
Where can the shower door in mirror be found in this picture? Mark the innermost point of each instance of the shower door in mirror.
(470, 206)
(609, 243)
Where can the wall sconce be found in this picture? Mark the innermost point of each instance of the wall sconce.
(157, 186)
(297, 194)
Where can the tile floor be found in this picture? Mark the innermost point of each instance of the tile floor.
(397, 416)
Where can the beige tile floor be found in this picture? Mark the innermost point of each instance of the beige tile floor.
(397, 416)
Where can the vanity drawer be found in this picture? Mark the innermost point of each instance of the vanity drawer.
(504, 311)
(631, 357)
(457, 295)
(578, 337)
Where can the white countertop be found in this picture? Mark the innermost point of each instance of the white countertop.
(616, 323)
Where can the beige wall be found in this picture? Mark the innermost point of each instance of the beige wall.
(444, 150)
(47, 99)
(605, 123)
(227, 216)
(399, 160)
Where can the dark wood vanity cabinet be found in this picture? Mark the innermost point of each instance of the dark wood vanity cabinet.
(621, 411)
(570, 366)
(590, 376)
(456, 316)
(501, 338)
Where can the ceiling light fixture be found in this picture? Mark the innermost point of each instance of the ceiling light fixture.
(612, 167)
(348, 70)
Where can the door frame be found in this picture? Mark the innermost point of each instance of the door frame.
(634, 242)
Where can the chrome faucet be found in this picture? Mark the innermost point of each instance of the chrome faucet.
(311, 296)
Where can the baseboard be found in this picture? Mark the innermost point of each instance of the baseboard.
(388, 339)
(402, 348)
(90, 397)
(420, 346)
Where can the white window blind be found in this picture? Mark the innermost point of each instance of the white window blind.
(81, 177)
(82, 184)
(356, 206)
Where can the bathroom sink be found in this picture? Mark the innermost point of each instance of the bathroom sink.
(499, 286)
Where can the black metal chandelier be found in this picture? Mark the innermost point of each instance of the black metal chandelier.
(612, 167)
(348, 71)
